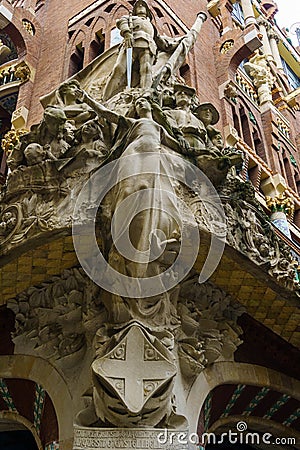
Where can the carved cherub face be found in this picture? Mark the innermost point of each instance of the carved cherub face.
(6, 216)
(34, 154)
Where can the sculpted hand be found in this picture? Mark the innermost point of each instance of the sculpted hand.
(128, 40)
(80, 94)
(184, 145)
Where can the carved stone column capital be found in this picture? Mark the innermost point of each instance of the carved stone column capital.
(281, 203)
(273, 35)
(262, 21)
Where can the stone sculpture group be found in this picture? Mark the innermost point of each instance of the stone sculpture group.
(135, 346)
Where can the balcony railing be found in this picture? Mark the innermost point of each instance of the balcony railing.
(14, 72)
(246, 86)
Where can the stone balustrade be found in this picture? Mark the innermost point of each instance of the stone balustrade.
(247, 87)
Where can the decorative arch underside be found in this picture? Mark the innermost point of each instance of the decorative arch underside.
(260, 408)
(22, 402)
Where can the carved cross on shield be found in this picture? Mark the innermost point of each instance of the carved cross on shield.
(136, 368)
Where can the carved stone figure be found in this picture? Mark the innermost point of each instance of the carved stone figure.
(143, 46)
(89, 152)
(50, 319)
(208, 323)
(130, 348)
(263, 80)
(207, 113)
(138, 34)
(192, 129)
(68, 100)
(169, 65)
(4, 52)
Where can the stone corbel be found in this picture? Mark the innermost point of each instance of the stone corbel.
(231, 135)
(293, 99)
(273, 186)
(213, 8)
(19, 118)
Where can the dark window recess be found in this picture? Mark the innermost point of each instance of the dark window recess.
(253, 175)
(76, 60)
(158, 12)
(185, 73)
(174, 29)
(17, 440)
(110, 8)
(245, 128)
(88, 22)
(97, 46)
(259, 146)
(294, 80)
(236, 122)
(288, 172)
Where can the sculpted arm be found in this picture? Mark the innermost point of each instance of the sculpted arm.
(99, 109)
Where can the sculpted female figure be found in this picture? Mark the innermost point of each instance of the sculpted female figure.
(140, 137)
(74, 109)
(141, 211)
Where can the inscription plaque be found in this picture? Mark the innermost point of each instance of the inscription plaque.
(129, 438)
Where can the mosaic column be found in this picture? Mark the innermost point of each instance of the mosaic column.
(281, 208)
(274, 39)
(263, 28)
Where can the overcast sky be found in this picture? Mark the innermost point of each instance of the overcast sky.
(288, 14)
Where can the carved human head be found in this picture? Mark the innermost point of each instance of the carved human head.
(183, 94)
(216, 137)
(91, 130)
(34, 154)
(207, 113)
(68, 87)
(138, 9)
(142, 105)
(69, 131)
(54, 118)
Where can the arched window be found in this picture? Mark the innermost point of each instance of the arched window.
(76, 60)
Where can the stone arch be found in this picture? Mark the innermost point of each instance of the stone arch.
(42, 372)
(235, 373)
(17, 37)
(118, 11)
(98, 31)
